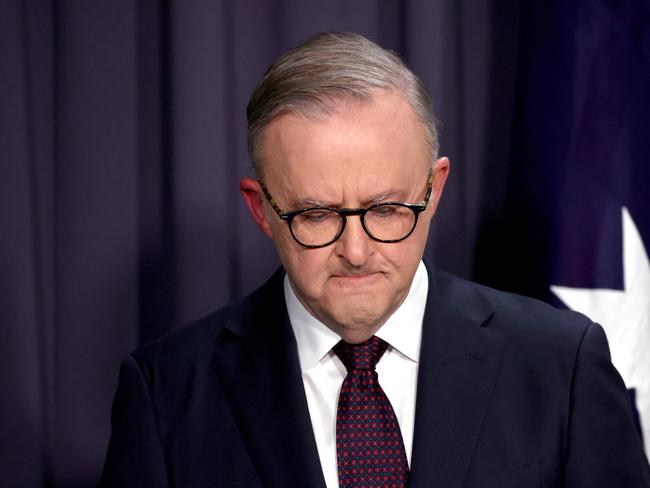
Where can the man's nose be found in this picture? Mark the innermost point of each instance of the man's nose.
(354, 245)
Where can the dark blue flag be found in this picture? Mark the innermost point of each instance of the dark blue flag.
(578, 230)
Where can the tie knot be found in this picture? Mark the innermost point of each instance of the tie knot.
(365, 355)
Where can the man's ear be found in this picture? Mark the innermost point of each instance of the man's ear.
(440, 173)
(252, 192)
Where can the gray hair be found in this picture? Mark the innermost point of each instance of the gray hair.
(328, 68)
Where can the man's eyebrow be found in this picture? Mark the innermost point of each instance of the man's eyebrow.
(312, 202)
(383, 196)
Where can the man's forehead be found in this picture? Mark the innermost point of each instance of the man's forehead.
(301, 189)
(350, 137)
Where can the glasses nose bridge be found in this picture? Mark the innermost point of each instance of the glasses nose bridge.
(351, 212)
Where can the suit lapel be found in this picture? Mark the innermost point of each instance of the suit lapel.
(459, 362)
(256, 359)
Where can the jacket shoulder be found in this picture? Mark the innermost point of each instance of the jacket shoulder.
(520, 318)
(189, 344)
(193, 345)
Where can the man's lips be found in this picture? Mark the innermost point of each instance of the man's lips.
(357, 277)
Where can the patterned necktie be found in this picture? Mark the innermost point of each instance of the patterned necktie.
(369, 447)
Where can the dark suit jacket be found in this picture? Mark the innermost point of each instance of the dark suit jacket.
(511, 393)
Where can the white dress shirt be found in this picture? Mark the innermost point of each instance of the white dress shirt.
(323, 372)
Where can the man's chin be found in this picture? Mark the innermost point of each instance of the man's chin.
(356, 323)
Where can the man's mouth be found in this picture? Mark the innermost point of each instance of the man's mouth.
(359, 278)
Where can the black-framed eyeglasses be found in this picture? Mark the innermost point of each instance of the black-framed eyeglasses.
(384, 222)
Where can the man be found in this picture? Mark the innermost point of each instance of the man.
(356, 365)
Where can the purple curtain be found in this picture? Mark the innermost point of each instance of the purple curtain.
(122, 139)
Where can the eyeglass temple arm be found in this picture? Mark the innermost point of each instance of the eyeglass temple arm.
(281, 213)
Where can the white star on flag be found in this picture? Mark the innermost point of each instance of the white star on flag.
(625, 316)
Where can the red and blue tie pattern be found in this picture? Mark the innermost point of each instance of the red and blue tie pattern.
(369, 446)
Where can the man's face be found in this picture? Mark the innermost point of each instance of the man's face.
(366, 153)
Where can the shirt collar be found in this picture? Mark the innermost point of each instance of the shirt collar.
(402, 330)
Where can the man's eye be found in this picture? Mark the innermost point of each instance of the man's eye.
(315, 216)
(384, 211)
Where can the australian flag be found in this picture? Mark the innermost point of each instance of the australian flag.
(577, 231)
